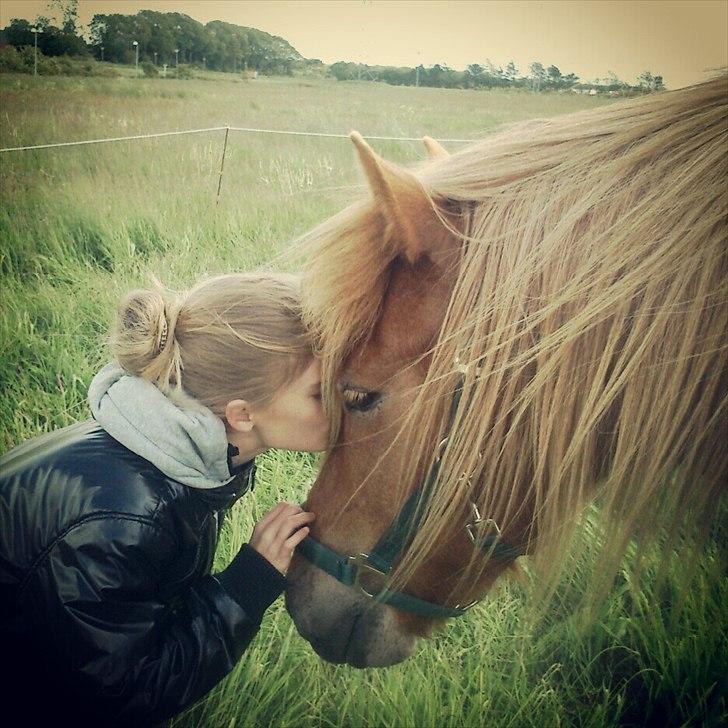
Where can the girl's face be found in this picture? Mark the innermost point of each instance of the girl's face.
(294, 419)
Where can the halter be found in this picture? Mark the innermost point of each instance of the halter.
(370, 572)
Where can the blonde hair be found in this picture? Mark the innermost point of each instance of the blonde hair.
(233, 336)
(591, 307)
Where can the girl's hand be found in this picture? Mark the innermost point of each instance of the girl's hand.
(278, 533)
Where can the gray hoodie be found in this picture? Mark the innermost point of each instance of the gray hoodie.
(188, 444)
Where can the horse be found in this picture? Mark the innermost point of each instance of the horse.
(508, 334)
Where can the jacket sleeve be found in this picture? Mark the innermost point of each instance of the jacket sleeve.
(94, 597)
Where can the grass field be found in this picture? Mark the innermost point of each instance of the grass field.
(81, 225)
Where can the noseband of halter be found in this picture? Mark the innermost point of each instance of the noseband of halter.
(369, 572)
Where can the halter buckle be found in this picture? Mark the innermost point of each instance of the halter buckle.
(368, 578)
(479, 524)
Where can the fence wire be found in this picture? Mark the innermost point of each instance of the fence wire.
(225, 129)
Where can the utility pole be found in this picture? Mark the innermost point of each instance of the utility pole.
(135, 43)
(35, 30)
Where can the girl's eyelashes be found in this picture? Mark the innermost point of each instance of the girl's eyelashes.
(357, 400)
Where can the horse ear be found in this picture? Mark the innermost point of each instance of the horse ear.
(407, 207)
(435, 150)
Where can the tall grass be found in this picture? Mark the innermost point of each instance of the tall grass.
(649, 656)
(80, 226)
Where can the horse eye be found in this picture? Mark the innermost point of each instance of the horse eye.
(360, 401)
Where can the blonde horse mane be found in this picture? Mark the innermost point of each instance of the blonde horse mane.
(590, 310)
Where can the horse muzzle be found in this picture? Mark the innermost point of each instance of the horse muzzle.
(341, 625)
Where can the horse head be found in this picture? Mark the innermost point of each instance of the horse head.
(496, 328)
(416, 241)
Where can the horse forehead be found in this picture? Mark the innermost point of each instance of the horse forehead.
(383, 359)
(397, 349)
(411, 315)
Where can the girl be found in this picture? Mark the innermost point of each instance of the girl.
(109, 612)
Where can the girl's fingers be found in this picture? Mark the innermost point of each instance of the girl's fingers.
(297, 537)
(272, 513)
(276, 512)
(287, 509)
(293, 522)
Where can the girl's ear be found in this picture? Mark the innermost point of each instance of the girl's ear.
(237, 414)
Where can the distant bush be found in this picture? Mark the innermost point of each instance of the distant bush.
(184, 72)
(22, 61)
(12, 61)
(149, 69)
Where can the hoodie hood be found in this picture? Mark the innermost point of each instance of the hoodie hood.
(188, 445)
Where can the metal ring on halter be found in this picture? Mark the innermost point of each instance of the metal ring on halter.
(364, 573)
(478, 524)
(465, 607)
(463, 368)
(441, 447)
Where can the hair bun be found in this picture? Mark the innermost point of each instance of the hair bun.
(143, 335)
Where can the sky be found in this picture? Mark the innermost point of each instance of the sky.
(682, 40)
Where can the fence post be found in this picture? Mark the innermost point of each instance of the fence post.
(222, 165)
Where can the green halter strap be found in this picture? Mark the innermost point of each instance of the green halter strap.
(370, 572)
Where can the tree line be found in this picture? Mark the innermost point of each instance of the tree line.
(489, 75)
(175, 38)
(161, 38)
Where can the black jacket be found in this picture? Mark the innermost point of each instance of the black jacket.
(108, 612)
